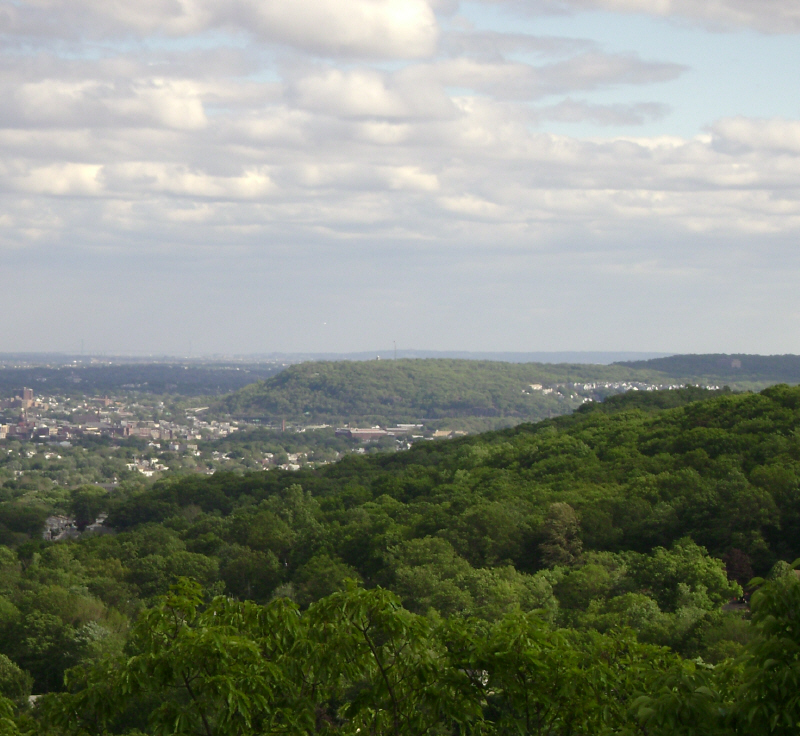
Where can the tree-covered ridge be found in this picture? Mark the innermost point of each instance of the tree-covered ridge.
(177, 379)
(416, 390)
(723, 471)
(734, 369)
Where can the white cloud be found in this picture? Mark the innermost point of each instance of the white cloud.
(383, 132)
(360, 93)
(574, 111)
(174, 104)
(420, 91)
(515, 80)
(411, 178)
(404, 29)
(183, 181)
(471, 206)
(71, 179)
(771, 16)
(768, 16)
(495, 46)
(428, 177)
(58, 103)
(776, 134)
(363, 93)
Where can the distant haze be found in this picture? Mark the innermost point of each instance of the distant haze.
(596, 358)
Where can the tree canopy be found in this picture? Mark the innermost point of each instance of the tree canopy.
(581, 575)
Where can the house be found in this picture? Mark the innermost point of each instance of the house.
(365, 435)
(60, 527)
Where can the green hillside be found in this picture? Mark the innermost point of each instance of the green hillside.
(723, 470)
(489, 393)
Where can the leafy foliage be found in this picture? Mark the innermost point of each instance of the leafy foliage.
(354, 662)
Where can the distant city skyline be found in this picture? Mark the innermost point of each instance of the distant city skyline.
(330, 175)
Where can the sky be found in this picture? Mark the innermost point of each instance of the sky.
(195, 177)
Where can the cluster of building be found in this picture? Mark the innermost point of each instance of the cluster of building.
(584, 388)
(43, 420)
(406, 431)
(369, 434)
(147, 466)
(48, 420)
(630, 386)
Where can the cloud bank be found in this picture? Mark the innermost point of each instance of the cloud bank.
(366, 28)
(430, 149)
(155, 129)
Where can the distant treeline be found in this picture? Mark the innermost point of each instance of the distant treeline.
(154, 378)
(732, 368)
(388, 391)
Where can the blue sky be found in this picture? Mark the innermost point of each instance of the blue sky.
(728, 72)
(335, 175)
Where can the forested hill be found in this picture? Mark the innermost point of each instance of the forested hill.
(724, 471)
(612, 516)
(736, 370)
(566, 550)
(388, 391)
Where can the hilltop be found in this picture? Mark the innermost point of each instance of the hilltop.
(475, 394)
